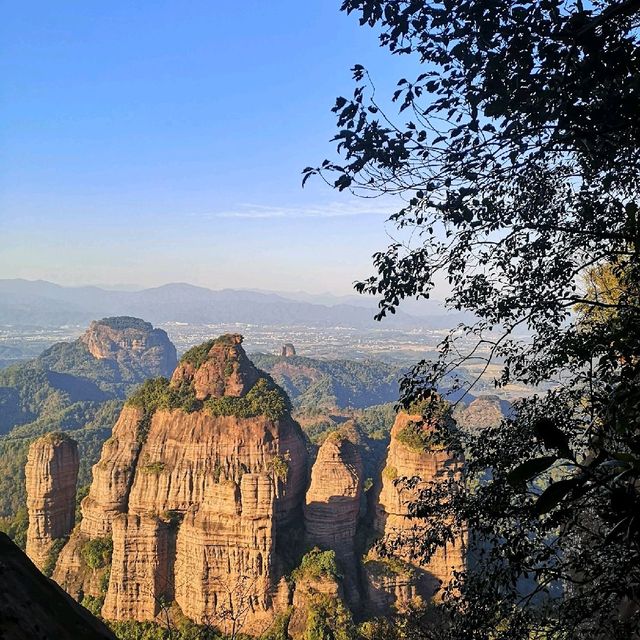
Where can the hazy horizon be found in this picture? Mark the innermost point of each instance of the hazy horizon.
(149, 144)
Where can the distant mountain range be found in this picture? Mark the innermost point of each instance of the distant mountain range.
(44, 304)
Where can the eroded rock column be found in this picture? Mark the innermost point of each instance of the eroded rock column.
(332, 505)
(51, 475)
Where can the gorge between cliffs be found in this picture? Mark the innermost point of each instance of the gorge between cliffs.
(206, 504)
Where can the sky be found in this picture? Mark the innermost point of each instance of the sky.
(151, 142)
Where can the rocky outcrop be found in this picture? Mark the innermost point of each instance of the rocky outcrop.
(332, 505)
(392, 582)
(34, 607)
(192, 487)
(201, 495)
(113, 475)
(309, 593)
(225, 555)
(288, 350)
(481, 413)
(132, 343)
(332, 502)
(224, 370)
(51, 475)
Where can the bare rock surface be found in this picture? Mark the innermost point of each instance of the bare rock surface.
(131, 342)
(193, 499)
(226, 370)
(392, 583)
(332, 505)
(141, 565)
(483, 412)
(51, 474)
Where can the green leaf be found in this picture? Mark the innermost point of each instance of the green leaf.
(554, 494)
(529, 469)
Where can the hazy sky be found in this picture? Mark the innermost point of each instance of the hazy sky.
(148, 142)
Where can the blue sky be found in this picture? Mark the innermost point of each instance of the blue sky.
(148, 142)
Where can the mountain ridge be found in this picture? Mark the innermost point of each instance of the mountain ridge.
(43, 303)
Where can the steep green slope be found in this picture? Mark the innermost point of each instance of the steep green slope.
(331, 385)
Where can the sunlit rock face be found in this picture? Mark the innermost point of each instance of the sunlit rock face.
(51, 474)
(194, 498)
(396, 581)
(202, 498)
(132, 343)
(481, 413)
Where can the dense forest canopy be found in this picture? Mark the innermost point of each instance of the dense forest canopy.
(515, 156)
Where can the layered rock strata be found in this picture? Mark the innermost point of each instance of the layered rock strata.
(392, 582)
(51, 475)
(225, 555)
(191, 487)
(332, 505)
(140, 580)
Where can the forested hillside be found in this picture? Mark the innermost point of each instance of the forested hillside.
(78, 388)
(326, 385)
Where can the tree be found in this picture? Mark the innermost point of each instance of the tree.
(516, 164)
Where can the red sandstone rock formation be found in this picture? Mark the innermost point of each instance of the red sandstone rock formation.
(481, 413)
(131, 342)
(332, 505)
(51, 474)
(394, 583)
(193, 502)
(226, 371)
(288, 350)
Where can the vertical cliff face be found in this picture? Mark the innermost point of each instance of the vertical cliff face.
(51, 474)
(133, 343)
(140, 577)
(332, 505)
(199, 476)
(332, 502)
(225, 555)
(204, 480)
(482, 413)
(394, 581)
(113, 474)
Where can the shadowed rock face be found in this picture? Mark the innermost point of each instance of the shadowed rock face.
(194, 501)
(396, 583)
(34, 607)
(131, 342)
(332, 505)
(51, 474)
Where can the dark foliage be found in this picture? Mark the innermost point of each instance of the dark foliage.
(516, 162)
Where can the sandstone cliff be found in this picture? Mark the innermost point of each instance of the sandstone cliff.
(192, 487)
(397, 580)
(332, 505)
(132, 343)
(51, 474)
(483, 412)
(200, 498)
